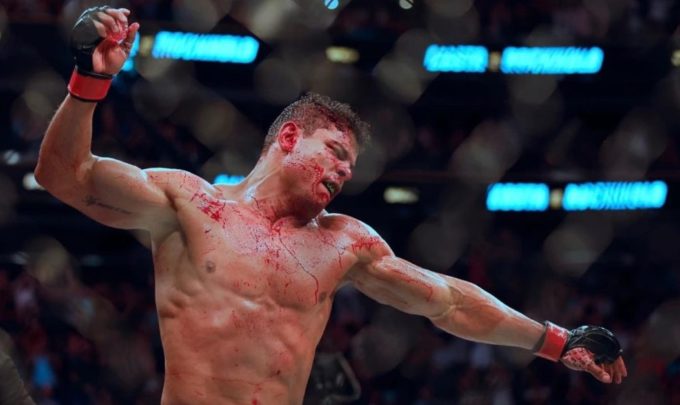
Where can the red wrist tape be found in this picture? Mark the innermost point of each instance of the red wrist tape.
(554, 340)
(88, 88)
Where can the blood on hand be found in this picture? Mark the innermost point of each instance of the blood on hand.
(119, 36)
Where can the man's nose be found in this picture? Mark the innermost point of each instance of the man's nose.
(344, 171)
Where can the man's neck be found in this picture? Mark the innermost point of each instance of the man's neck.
(265, 191)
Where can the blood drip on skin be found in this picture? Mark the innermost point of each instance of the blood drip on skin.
(272, 259)
(324, 238)
(119, 36)
(302, 266)
(314, 172)
(235, 320)
(365, 243)
(413, 280)
(318, 172)
(258, 389)
(211, 207)
(578, 358)
(190, 182)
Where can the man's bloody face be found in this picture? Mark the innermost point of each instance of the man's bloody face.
(317, 165)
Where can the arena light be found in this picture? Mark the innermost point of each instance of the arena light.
(513, 60)
(205, 47)
(331, 4)
(130, 63)
(456, 58)
(30, 183)
(20, 258)
(229, 179)
(602, 196)
(406, 4)
(518, 197)
(11, 157)
(675, 58)
(401, 195)
(551, 60)
(342, 54)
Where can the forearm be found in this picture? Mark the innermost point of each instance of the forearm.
(477, 315)
(67, 142)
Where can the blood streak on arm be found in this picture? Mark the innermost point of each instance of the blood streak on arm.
(366, 243)
(370, 248)
(409, 278)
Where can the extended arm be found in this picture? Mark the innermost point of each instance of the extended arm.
(456, 306)
(466, 310)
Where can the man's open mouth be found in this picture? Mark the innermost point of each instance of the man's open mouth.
(330, 187)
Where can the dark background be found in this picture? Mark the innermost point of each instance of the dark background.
(76, 298)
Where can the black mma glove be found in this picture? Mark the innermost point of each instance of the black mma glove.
(587, 348)
(86, 82)
(598, 340)
(558, 341)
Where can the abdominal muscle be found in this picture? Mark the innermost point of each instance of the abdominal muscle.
(223, 348)
(239, 354)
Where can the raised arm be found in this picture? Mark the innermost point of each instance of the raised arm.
(467, 311)
(110, 191)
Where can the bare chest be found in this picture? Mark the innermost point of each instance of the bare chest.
(235, 253)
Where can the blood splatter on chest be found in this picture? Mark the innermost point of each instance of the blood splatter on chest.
(238, 251)
(212, 207)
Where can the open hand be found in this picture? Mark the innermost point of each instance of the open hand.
(582, 359)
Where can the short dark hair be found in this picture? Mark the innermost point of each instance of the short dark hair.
(313, 111)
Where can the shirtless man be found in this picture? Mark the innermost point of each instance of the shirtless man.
(246, 274)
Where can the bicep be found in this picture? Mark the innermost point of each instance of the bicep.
(121, 195)
(403, 285)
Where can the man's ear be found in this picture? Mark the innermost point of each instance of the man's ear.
(288, 136)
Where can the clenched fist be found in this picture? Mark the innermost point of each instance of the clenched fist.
(101, 41)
